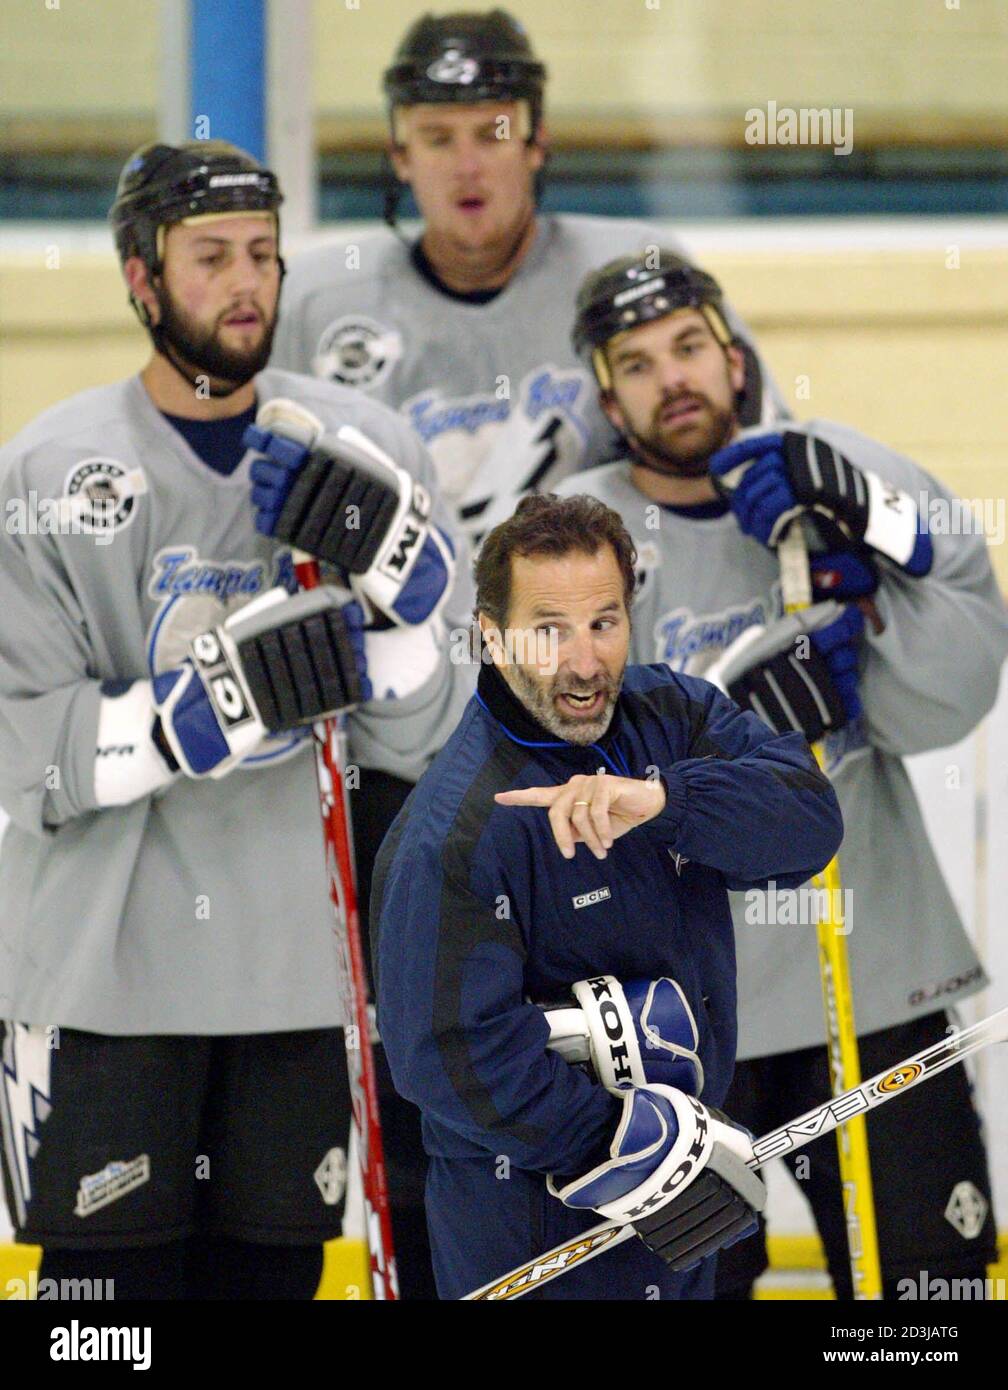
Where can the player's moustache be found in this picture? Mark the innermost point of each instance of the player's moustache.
(684, 398)
(243, 309)
(202, 348)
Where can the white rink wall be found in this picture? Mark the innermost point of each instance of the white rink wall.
(964, 792)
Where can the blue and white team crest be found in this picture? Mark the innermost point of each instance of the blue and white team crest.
(194, 595)
(490, 448)
(357, 351)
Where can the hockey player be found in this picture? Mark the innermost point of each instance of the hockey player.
(577, 835)
(901, 653)
(464, 330)
(174, 1098)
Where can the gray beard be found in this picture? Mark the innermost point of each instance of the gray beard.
(539, 703)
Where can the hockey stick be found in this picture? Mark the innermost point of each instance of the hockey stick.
(834, 975)
(813, 1124)
(329, 739)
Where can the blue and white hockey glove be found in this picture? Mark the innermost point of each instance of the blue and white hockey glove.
(281, 661)
(633, 1034)
(677, 1171)
(769, 479)
(842, 575)
(343, 500)
(799, 673)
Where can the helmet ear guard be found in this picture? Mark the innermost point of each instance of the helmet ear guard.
(600, 366)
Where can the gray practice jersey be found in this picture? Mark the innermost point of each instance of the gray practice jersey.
(494, 390)
(202, 908)
(925, 682)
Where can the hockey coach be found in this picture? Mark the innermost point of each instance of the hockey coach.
(574, 842)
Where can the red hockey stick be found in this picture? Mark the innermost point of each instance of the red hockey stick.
(294, 422)
(330, 741)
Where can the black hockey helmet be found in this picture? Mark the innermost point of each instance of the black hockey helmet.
(467, 57)
(162, 184)
(638, 289)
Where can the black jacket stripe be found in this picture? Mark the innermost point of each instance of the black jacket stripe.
(466, 922)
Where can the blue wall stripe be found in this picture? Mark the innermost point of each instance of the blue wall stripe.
(228, 72)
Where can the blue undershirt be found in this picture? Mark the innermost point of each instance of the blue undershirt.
(217, 443)
(700, 511)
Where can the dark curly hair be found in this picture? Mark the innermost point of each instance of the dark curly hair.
(544, 524)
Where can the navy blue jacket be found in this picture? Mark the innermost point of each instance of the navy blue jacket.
(473, 914)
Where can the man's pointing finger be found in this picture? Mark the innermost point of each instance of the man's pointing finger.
(528, 796)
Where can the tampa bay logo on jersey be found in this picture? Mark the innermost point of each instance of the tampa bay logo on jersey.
(356, 351)
(490, 447)
(690, 644)
(195, 595)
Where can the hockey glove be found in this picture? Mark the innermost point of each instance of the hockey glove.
(842, 575)
(800, 673)
(279, 662)
(677, 1171)
(633, 1034)
(341, 499)
(770, 479)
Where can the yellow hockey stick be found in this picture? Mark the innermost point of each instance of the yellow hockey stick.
(834, 973)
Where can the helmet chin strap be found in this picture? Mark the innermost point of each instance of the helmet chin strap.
(199, 381)
(390, 199)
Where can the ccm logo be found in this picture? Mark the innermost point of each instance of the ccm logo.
(221, 680)
(597, 895)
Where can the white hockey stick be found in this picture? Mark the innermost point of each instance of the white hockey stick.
(824, 1119)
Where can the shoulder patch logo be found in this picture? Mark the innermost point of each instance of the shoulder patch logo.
(100, 495)
(357, 351)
